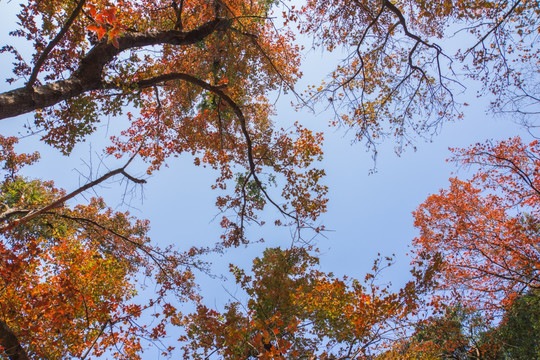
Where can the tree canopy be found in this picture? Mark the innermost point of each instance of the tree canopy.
(483, 233)
(197, 78)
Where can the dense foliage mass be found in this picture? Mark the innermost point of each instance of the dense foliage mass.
(298, 312)
(484, 232)
(193, 77)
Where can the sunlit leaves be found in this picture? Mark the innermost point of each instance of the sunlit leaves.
(484, 231)
(13, 162)
(69, 277)
(295, 311)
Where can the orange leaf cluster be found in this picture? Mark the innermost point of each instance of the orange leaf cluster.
(483, 234)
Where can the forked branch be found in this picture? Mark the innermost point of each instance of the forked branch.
(43, 56)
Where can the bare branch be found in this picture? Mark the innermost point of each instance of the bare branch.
(499, 23)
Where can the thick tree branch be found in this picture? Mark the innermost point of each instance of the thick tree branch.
(10, 343)
(11, 212)
(88, 76)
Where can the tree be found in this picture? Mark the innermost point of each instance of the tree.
(518, 334)
(69, 276)
(456, 334)
(462, 333)
(190, 77)
(296, 312)
(482, 234)
(94, 58)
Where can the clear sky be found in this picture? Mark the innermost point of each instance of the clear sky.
(367, 214)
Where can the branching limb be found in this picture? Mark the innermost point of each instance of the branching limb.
(497, 25)
(11, 212)
(218, 90)
(43, 56)
(89, 75)
(510, 164)
(61, 201)
(403, 22)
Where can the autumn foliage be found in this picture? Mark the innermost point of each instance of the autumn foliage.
(70, 276)
(483, 233)
(295, 311)
(197, 78)
(188, 77)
